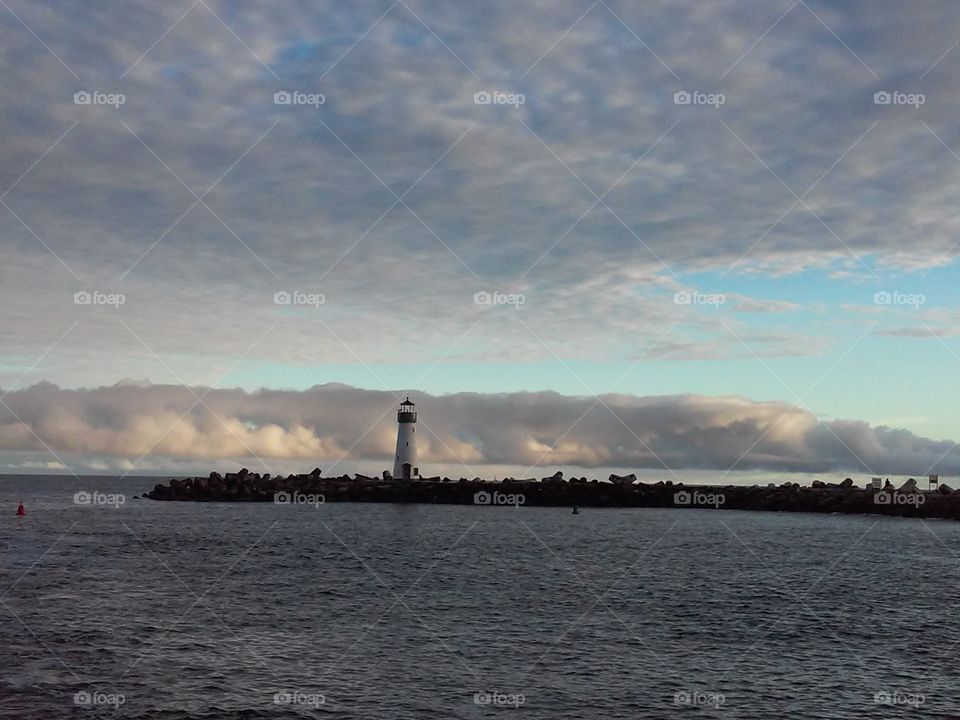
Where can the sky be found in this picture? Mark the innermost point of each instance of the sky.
(676, 237)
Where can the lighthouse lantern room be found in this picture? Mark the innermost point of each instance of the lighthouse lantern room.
(405, 459)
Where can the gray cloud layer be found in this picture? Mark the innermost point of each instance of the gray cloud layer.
(513, 188)
(336, 422)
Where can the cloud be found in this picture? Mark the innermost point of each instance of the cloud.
(919, 332)
(494, 198)
(146, 425)
(495, 190)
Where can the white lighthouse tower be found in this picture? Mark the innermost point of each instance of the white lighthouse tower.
(405, 460)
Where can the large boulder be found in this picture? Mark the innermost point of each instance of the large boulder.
(910, 486)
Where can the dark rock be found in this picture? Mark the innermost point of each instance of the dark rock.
(789, 497)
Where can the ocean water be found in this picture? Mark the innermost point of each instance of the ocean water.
(143, 609)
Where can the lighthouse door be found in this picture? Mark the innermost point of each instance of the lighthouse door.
(406, 471)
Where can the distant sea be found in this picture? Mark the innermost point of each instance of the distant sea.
(138, 609)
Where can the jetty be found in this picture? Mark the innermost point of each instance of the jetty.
(556, 491)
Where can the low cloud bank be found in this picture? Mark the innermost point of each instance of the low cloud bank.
(333, 422)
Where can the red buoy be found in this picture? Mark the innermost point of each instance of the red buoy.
(20, 511)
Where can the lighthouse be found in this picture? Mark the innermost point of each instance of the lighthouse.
(405, 460)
